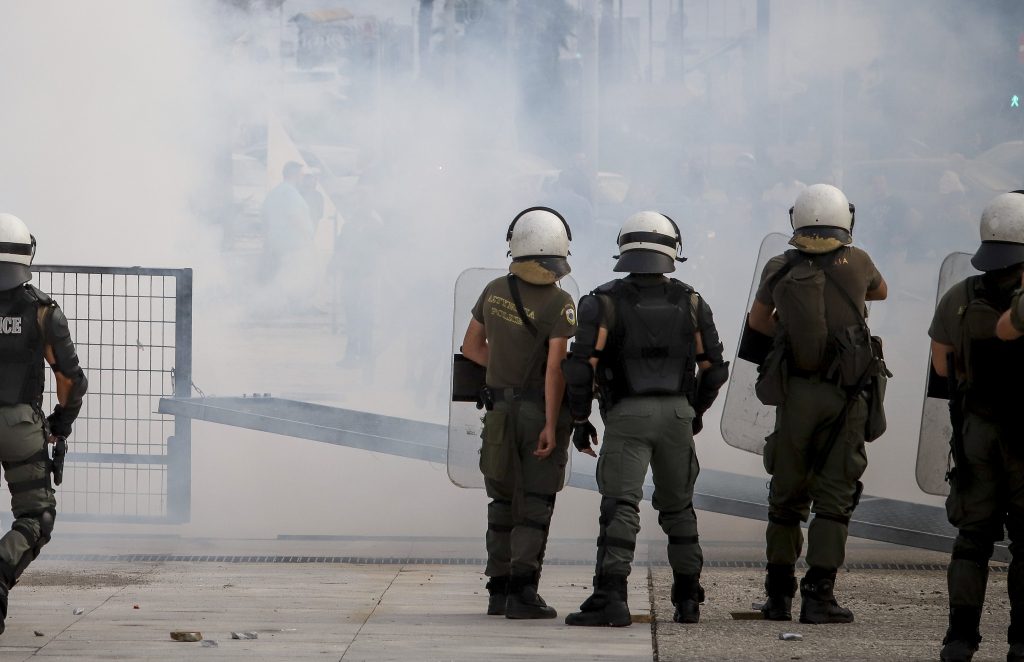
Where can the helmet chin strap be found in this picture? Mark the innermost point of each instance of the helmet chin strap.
(32, 258)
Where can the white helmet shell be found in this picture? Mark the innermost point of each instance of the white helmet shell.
(822, 219)
(1002, 233)
(649, 243)
(822, 205)
(538, 231)
(538, 243)
(17, 248)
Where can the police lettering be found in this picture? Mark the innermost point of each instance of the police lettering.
(10, 326)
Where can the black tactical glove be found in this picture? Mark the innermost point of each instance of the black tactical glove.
(582, 434)
(57, 422)
(698, 424)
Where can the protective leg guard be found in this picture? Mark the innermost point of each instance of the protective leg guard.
(3, 606)
(1015, 634)
(607, 607)
(497, 590)
(963, 636)
(523, 600)
(780, 585)
(687, 594)
(818, 602)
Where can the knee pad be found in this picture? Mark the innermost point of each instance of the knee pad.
(830, 517)
(46, 521)
(784, 520)
(608, 506)
(973, 546)
(662, 516)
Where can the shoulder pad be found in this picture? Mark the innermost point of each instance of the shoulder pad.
(686, 287)
(607, 288)
(38, 295)
(589, 309)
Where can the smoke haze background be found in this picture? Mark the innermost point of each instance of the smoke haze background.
(125, 124)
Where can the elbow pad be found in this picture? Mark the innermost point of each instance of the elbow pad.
(709, 383)
(579, 386)
(713, 348)
(59, 336)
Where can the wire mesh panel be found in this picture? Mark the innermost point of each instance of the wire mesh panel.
(132, 330)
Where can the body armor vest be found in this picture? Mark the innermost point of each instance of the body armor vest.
(652, 349)
(22, 375)
(993, 366)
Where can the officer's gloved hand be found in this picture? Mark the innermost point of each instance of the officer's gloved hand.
(584, 435)
(55, 423)
(698, 424)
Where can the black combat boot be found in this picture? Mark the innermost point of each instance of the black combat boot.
(687, 594)
(818, 603)
(1015, 636)
(963, 635)
(607, 606)
(3, 605)
(497, 589)
(780, 585)
(523, 600)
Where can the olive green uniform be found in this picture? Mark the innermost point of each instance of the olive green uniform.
(988, 492)
(521, 486)
(654, 432)
(26, 467)
(642, 432)
(803, 425)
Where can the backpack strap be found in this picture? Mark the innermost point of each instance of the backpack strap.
(517, 299)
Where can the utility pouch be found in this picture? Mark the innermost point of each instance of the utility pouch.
(772, 375)
(496, 451)
(854, 355)
(875, 424)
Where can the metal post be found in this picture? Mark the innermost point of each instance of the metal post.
(179, 447)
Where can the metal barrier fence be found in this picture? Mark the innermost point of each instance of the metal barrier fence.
(133, 331)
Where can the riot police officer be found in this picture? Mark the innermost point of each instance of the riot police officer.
(642, 339)
(811, 301)
(32, 330)
(520, 330)
(987, 481)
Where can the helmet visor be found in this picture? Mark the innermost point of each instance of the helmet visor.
(995, 255)
(820, 239)
(640, 261)
(540, 269)
(12, 275)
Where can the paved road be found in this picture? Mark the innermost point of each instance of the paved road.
(307, 599)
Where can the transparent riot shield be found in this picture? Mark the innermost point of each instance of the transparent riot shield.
(745, 421)
(933, 442)
(465, 421)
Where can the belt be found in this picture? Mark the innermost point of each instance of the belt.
(510, 394)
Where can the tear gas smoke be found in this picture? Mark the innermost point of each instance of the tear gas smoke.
(149, 133)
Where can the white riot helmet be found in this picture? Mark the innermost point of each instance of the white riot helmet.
(538, 243)
(822, 219)
(649, 243)
(1002, 233)
(17, 248)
